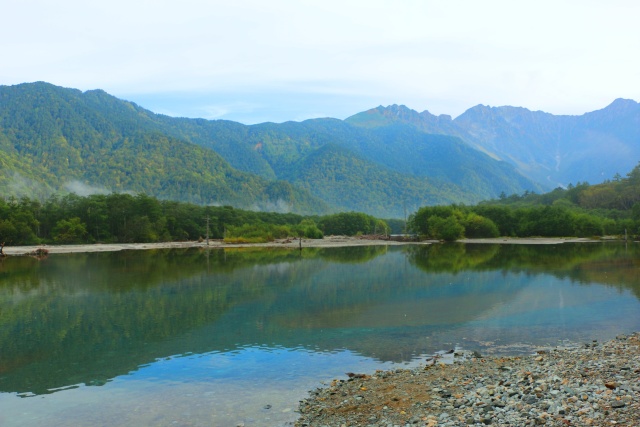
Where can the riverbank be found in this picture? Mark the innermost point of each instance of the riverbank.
(327, 242)
(590, 385)
(534, 240)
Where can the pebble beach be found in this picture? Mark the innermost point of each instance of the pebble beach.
(592, 384)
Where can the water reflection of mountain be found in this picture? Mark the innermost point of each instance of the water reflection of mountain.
(87, 318)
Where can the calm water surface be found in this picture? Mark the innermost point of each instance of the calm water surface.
(224, 337)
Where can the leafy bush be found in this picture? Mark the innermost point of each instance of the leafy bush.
(308, 228)
(69, 231)
(350, 224)
(476, 226)
(448, 228)
(257, 233)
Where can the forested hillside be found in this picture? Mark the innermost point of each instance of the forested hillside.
(549, 149)
(583, 210)
(328, 172)
(53, 139)
(620, 194)
(278, 150)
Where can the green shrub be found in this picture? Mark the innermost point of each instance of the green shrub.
(448, 228)
(476, 226)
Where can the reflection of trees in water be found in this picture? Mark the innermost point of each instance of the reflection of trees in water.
(89, 317)
(451, 257)
(62, 319)
(612, 264)
(129, 270)
(351, 255)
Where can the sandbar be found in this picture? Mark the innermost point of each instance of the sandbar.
(292, 243)
(327, 242)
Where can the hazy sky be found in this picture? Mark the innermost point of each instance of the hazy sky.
(253, 61)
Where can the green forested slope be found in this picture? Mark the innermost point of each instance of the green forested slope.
(399, 147)
(444, 158)
(52, 136)
(583, 210)
(328, 172)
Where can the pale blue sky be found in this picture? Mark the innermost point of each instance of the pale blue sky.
(253, 61)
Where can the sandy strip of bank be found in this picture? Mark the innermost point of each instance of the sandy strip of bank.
(327, 242)
(532, 240)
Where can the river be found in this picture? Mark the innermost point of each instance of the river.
(228, 337)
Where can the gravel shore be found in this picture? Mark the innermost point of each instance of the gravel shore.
(591, 385)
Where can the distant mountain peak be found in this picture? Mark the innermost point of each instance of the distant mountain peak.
(394, 114)
(622, 104)
(398, 109)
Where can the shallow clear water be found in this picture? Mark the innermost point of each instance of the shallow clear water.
(229, 337)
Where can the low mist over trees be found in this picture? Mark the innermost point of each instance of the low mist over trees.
(581, 210)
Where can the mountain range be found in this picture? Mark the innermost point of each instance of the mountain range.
(387, 161)
(551, 150)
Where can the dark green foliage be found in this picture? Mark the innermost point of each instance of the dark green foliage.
(544, 221)
(266, 232)
(256, 233)
(454, 222)
(128, 218)
(308, 228)
(18, 221)
(476, 226)
(503, 217)
(581, 210)
(451, 223)
(69, 231)
(448, 229)
(430, 221)
(350, 224)
(586, 225)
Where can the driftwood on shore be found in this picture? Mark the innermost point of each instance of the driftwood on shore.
(40, 253)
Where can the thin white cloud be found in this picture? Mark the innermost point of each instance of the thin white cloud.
(82, 189)
(562, 57)
(217, 111)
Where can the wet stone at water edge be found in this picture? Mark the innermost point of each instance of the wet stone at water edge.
(592, 385)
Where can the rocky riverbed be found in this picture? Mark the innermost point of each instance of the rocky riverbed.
(595, 384)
